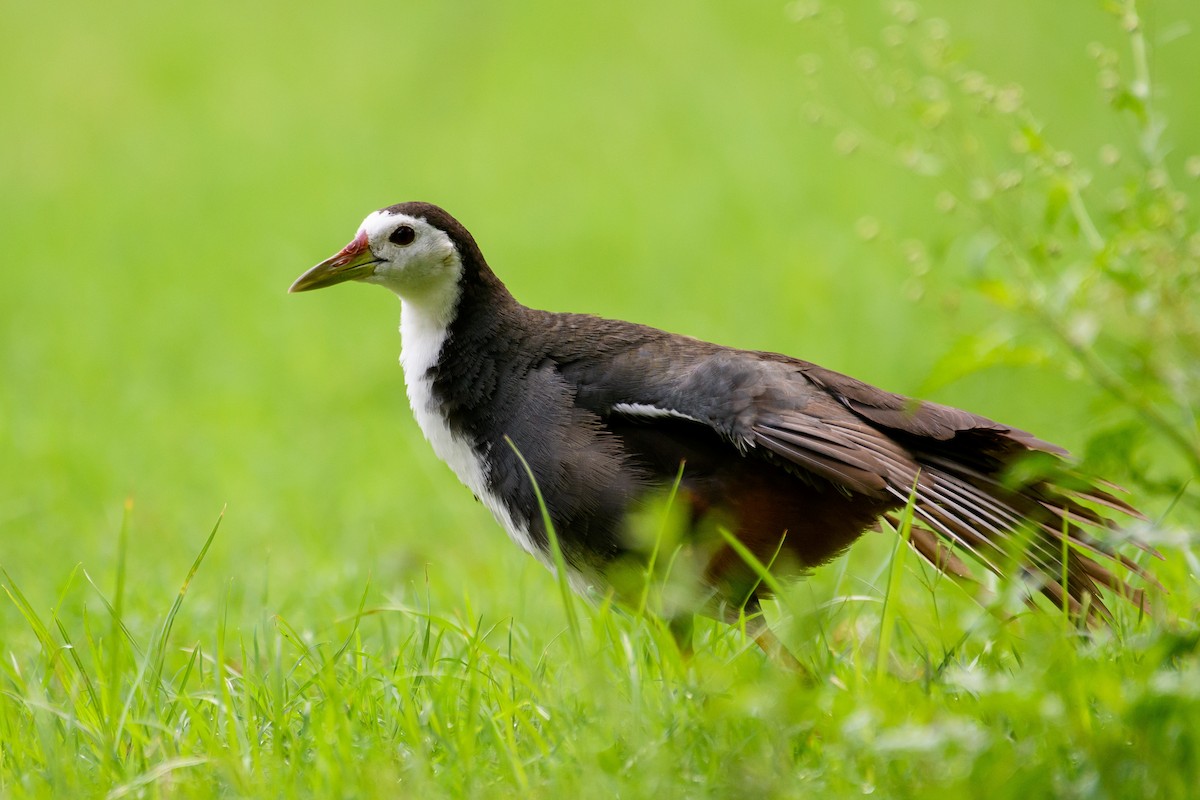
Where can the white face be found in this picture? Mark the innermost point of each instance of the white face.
(414, 257)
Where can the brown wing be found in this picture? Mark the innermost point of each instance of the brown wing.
(871, 443)
(956, 465)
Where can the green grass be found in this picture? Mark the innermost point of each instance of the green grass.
(354, 625)
(402, 697)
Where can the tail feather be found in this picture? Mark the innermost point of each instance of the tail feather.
(1039, 525)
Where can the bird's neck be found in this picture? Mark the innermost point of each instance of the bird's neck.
(425, 321)
(443, 332)
(468, 309)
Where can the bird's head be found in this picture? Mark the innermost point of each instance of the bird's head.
(407, 248)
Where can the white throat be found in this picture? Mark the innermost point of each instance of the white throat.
(424, 328)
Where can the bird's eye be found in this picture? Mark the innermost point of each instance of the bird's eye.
(403, 235)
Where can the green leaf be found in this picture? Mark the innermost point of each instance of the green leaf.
(1057, 198)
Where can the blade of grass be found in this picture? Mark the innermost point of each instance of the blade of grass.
(160, 647)
(116, 611)
(888, 617)
(761, 571)
(49, 646)
(362, 604)
(94, 712)
(560, 563)
(658, 539)
(1064, 577)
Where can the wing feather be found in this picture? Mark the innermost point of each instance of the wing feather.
(866, 441)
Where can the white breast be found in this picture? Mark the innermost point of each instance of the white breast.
(422, 336)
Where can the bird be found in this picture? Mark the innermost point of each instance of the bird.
(568, 426)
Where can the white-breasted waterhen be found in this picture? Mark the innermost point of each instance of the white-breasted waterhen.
(794, 460)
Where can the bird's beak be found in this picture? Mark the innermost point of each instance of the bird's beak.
(355, 260)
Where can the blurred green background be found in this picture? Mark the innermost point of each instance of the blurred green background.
(168, 169)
